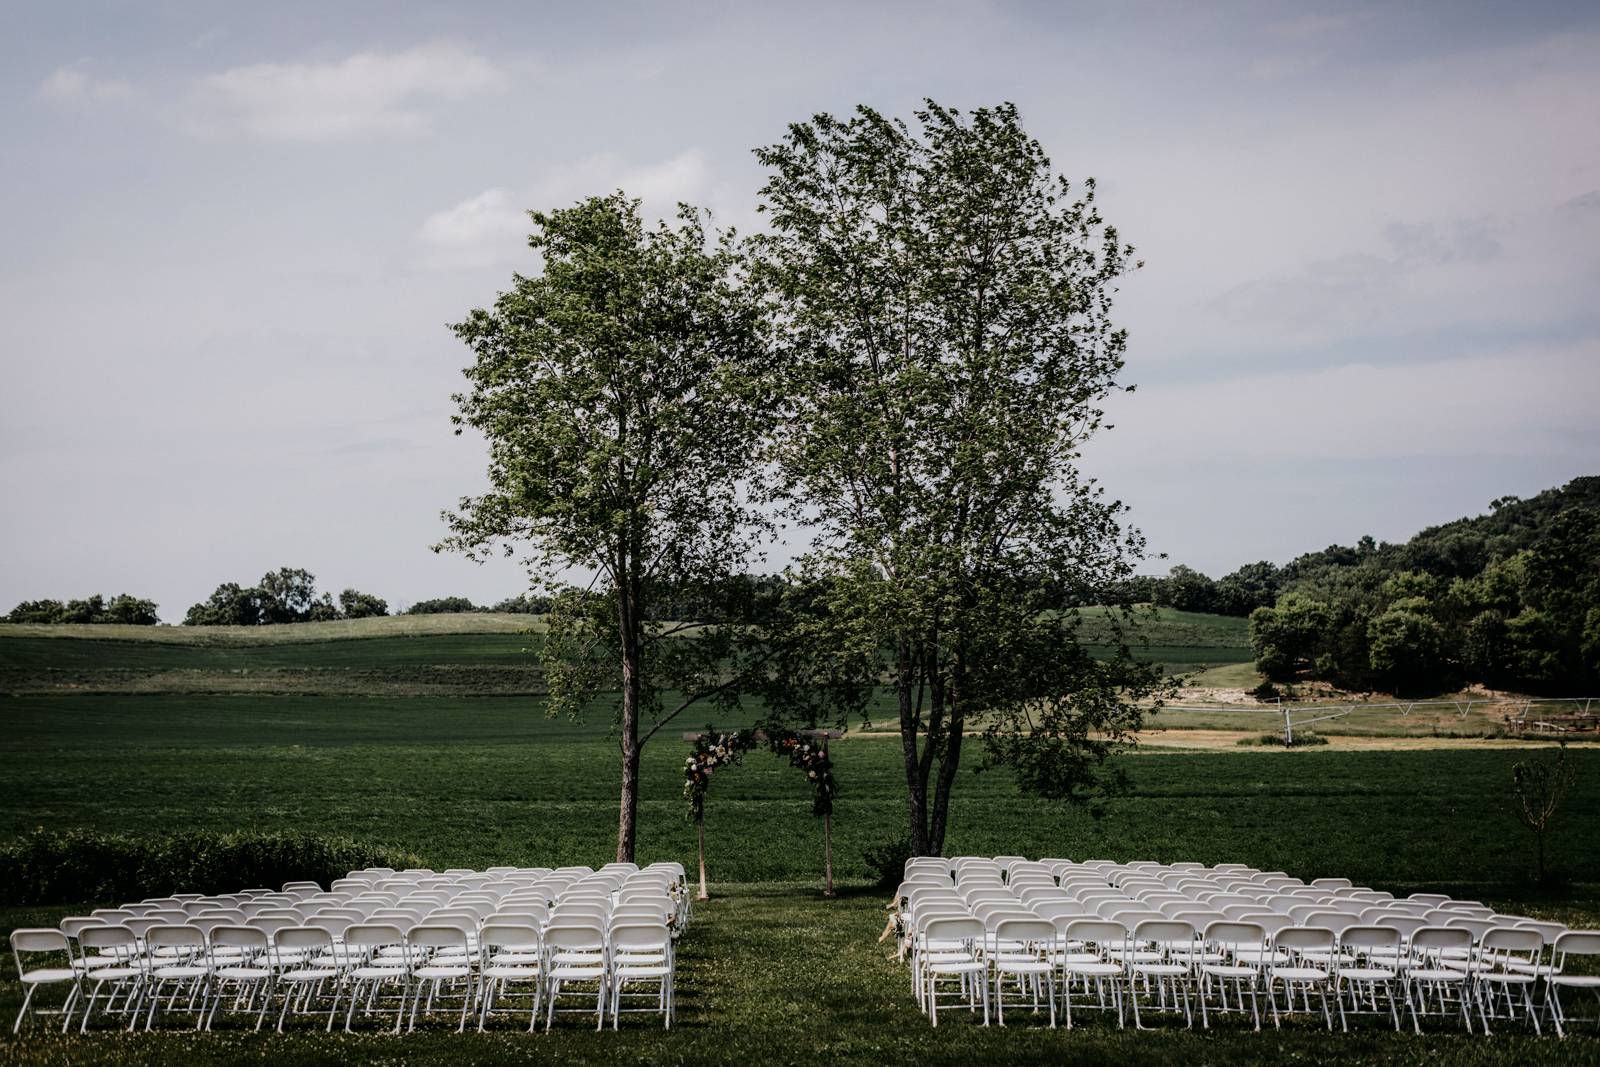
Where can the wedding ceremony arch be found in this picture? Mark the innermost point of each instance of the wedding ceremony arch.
(806, 750)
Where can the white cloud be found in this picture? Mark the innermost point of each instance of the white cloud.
(72, 84)
(365, 94)
(492, 226)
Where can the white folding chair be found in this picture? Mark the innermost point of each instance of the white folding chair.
(241, 963)
(511, 955)
(179, 963)
(1240, 948)
(307, 965)
(1021, 949)
(957, 957)
(641, 953)
(1572, 943)
(1367, 963)
(1439, 970)
(440, 961)
(575, 954)
(378, 960)
(1308, 968)
(1099, 967)
(60, 969)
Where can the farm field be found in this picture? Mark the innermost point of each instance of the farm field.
(771, 972)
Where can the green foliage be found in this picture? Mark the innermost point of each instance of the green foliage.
(354, 604)
(286, 595)
(1276, 739)
(1286, 636)
(446, 605)
(887, 862)
(946, 340)
(73, 866)
(621, 390)
(123, 609)
(1510, 600)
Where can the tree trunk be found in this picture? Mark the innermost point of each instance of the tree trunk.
(916, 780)
(955, 693)
(628, 808)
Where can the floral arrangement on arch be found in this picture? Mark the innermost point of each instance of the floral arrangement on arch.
(712, 750)
(722, 749)
(810, 756)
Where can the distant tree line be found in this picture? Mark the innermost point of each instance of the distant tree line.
(1255, 585)
(1510, 599)
(286, 595)
(121, 609)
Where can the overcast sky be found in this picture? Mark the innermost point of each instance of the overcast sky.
(233, 236)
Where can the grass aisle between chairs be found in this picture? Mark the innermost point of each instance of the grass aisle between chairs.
(771, 974)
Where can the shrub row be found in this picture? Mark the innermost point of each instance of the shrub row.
(80, 866)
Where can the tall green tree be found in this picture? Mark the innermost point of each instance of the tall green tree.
(616, 391)
(945, 308)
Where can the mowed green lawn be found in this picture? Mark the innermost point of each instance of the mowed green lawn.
(771, 972)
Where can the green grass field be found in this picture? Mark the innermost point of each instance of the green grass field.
(772, 972)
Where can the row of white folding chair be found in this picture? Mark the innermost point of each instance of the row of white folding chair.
(1179, 957)
(199, 961)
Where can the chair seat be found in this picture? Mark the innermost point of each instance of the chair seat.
(1507, 977)
(645, 971)
(1300, 974)
(112, 974)
(1161, 970)
(367, 974)
(1366, 974)
(442, 970)
(511, 971)
(958, 967)
(182, 970)
(1227, 970)
(1437, 974)
(49, 974)
(577, 973)
(310, 974)
(1575, 981)
(514, 959)
(1095, 970)
(1029, 966)
(244, 972)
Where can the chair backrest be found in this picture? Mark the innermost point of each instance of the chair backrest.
(504, 934)
(240, 937)
(1370, 938)
(304, 937)
(640, 936)
(1232, 934)
(1436, 939)
(1512, 939)
(373, 935)
(188, 936)
(1027, 930)
(1578, 943)
(1304, 939)
(1102, 932)
(1164, 931)
(574, 935)
(954, 928)
(39, 939)
(437, 935)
